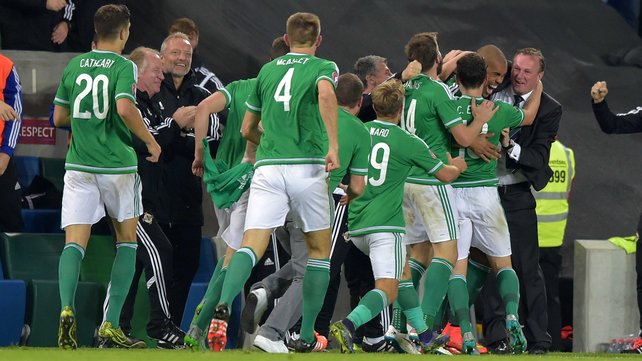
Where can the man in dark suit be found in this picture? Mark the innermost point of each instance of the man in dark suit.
(524, 163)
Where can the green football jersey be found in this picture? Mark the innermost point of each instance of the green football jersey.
(232, 146)
(394, 152)
(91, 83)
(423, 94)
(286, 98)
(479, 173)
(354, 148)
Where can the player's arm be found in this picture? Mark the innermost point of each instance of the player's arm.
(61, 116)
(329, 111)
(212, 104)
(450, 172)
(132, 119)
(532, 105)
(449, 63)
(250, 127)
(466, 134)
(356, 187)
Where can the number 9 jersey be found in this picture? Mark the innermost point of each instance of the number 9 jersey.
(286, 97)
(91, 84)
(394, 152)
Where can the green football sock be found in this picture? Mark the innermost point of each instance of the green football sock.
(238, 271)
(68, 272)
(458, 298)
(476, 275)
(210, 300)
(122, 273)
(435, 288)
(315, 285)
(210, 285)
(408, 301)
(508, 285)
(417, 271)
(371, 304)
(398, 318)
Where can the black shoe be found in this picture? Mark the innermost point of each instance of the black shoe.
(168, 335)
(256, 304)
(537, 351)
(381, 346)
(499, 347)
(222, 313)
(301, 346)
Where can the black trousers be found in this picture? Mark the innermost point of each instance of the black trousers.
(550, 260)
(519, 206)
(358, 274)
(638, 268)
(154, 256)
(10, 205)
(186, 246)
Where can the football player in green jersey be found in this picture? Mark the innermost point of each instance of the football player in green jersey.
(294, 97)
(482, 221)
(233, 166)
(376, 219)
(96, 97)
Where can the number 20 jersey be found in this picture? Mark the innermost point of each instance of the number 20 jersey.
(394, 153)
(286, 98)
(91, 83)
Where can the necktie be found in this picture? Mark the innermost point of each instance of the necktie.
(517, 100)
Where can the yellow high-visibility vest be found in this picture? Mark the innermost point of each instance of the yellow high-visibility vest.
(552, 201)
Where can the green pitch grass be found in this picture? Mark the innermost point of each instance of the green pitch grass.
(52, 354)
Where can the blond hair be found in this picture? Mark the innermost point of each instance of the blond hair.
(388, 98)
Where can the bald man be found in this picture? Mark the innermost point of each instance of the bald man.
(496, 68)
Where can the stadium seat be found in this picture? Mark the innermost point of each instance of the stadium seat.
(41, 220)
(206, 262)
(196, 293)
(54, 170)
(12, 309)
(28, 168)
(99, 257)
(43, 312)
(28, 256)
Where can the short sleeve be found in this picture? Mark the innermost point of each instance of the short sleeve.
(359, 162)
(514, 116)
(253, 102)
(423, 157)
(329, 71)
(447, 112)
(228, 93)
(126, 81)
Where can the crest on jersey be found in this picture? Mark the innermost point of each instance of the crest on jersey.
(335, 76)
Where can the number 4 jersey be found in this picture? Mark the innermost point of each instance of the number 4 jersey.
(91, 83)
(394, 152)
(286, 98)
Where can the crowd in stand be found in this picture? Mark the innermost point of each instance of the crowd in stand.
(431, 171)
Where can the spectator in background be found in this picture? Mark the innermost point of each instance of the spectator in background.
(623, 123)
(179, 94)
(552, 213)
(36, 25)
(204, 77)
(10, 118)
(82, 31)
(155, 252)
